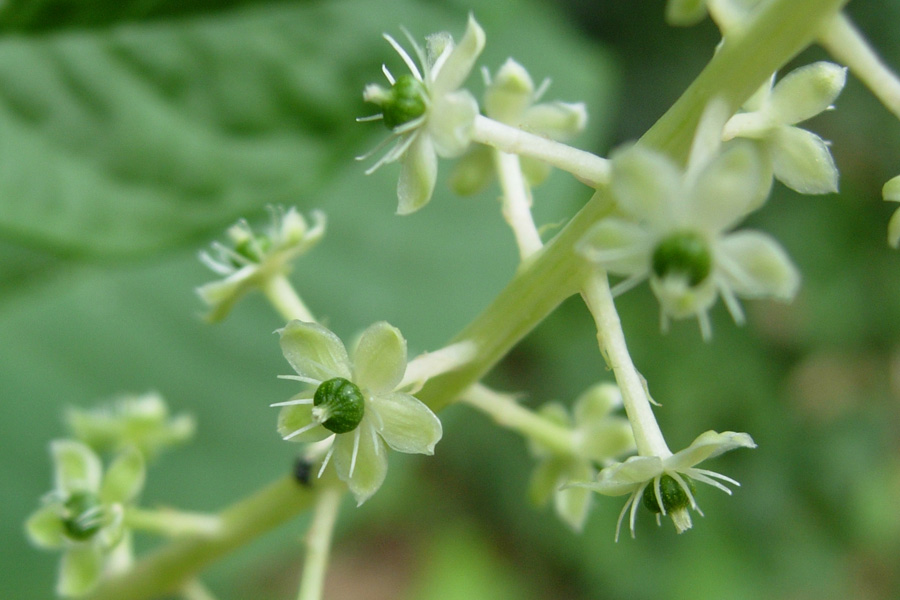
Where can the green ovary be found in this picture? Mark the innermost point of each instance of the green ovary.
(684, 253)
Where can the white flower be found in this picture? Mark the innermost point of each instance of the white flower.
(799, 158)
(84, 513)
(598, 437)
(511, 98)
(256, 258)
(672, 229)
(672, 492)
(355, 402)
(891, 193)
(426, 111)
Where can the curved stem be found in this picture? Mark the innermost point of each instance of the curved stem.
(168, 569)
(285, 299)
(171, 523)
(318, 543)
(846, 44)
(647, 434)
(510, 414)
(589, 168)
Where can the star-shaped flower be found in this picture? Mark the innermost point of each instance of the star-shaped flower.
(671, 477)
(798, 158)
(354, 401)
(83, 515)
(598, 437)
(255, 259)
(427, 111)
(673, 230)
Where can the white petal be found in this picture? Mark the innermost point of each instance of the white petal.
(618, 246)
(559, 121)
(314, 351)
(573, 503)
(707, 445)
(802, 161)
(646, 185)
(369, 466)
(77, 468)
(891, 189)
(298, 418)
(595, 403)
(450, 121)
(727, 187)
(458, 65)
(405, 423)
(418, 173)
(756, 266)
(80, 570)
(807, 91)
(379, 358)
(894, 229)
(125, 478)
(625, 478)
(45, 528)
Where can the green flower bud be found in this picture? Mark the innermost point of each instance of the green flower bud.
(405, 102)
(673, 495)
(339, 405)
(83, 516)
(685, 253)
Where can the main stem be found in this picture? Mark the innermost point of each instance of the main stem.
(318, 543)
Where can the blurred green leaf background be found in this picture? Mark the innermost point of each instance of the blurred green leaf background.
(132, 133)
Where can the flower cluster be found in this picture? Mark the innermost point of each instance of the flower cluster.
(426, 111)
(84, 514)
(354, 401)
(598, 437)
(255, 259)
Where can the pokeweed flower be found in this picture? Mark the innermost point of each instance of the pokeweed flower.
(669, 479)
(354, 401)
(891, 193)
(84, 513)
(798, 158)
(142, 421)
(256, 258)
(426, 111)
(598, 436)
(511, 98)
(673, 230)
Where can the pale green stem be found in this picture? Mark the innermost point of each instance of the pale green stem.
(318, 543)
(431, 364)
(517, 203)
(172, 523)
(510, 414)
(168, 569)
(285, 299)
(587, 167)
(195, 590)
(847, 45)
(647, 435)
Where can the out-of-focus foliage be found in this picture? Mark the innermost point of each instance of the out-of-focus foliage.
(134, 132)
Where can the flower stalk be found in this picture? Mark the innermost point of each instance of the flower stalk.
(318, 543)
(286, 301)
(589, 168)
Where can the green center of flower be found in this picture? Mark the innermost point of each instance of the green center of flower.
(684, 253)
(83, 516)
(253, 248)
(339, 405)
(673, 495)
(405, 102)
